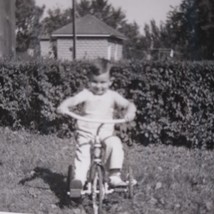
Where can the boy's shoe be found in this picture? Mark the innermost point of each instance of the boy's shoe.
(116, 181)
(134, 182)
(75, 188)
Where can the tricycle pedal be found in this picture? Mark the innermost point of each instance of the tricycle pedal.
(74, 193)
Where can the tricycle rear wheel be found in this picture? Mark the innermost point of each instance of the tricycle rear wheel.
(69, 178)
(130, 183)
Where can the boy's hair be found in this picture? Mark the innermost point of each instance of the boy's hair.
(100, 66)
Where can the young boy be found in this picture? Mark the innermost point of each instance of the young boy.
(99, 102)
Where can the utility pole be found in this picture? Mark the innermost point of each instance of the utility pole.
(7, 28)
(74, 29)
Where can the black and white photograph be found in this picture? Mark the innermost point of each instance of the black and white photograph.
(106, 107)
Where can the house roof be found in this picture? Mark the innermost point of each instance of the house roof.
(88, 26)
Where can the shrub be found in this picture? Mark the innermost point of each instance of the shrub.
(174, 99)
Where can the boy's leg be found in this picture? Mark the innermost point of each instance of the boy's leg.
(82, 159)
(114, 156)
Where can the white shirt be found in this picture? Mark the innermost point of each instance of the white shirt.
(98, 107)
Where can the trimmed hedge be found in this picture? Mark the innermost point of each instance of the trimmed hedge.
(174, 99)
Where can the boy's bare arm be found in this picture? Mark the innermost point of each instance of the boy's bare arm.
(63, 108)
(131, 112)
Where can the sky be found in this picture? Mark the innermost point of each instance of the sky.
(140, 11)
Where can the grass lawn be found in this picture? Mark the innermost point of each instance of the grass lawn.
(171, 180)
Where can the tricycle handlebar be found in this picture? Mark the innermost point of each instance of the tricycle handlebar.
(110, 121)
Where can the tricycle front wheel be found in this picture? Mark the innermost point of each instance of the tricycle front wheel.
(98, 191)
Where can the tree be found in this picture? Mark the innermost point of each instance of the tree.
(84, 7)
(7, 28)
(56, 18)
(103, 11)
(28, 16)
(155, 40)
(191, 28)
(131, 45)
(206, 22)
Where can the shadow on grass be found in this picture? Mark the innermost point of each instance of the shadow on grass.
(57, 183)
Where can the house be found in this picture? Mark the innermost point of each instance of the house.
(46, 46)
(94, 39)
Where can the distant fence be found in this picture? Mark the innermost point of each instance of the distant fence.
(153, 54)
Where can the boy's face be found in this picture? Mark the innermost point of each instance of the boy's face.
(99, 84)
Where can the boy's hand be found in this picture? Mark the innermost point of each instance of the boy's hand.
(131, 112)
(63, 111)
(129, 116)
(59, 111)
